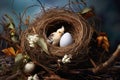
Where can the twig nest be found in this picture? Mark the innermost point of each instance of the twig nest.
(50, 21)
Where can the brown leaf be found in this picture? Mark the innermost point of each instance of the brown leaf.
(10, 51)
(27, 20)
(102, 41)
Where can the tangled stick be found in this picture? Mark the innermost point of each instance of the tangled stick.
(107, 63)
(14, 75)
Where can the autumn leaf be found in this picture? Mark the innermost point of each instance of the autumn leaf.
(10, 51)
(103, 42)
(27, 20)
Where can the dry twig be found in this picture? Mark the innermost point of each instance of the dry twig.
(14, 75)
(41, 5)
(107, 63)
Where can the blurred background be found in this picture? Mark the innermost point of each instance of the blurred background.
(107, 10)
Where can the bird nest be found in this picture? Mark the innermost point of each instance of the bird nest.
(49, 22)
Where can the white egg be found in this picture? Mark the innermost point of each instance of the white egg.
(66, 39)
(29, 67)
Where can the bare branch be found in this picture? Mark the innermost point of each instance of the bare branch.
(92, 62)
(10, 42)
(108, 62)
(71, 2)
(26, 10)
(14, 75)
(45, 68)
(16, 14)
(41, 5)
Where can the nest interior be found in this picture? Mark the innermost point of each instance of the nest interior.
(49, 22)
(53, 26)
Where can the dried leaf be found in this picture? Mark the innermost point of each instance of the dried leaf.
(18, 58)
(103, 41)
(99, 40)
(10, 51)
(10, 21)
(36, 39)
(87, 13)
(14, 38)
(43, 44)
(85, 10)
(106, 44)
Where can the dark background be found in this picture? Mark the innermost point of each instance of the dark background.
(107, 10)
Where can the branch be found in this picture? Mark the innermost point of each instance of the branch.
(71, 2)
(107, 63)
(14, 75)
(54, 77)
(21, 18)
(41, 5)
(5, 38)
(26, 10)
(10, 42)
(44, 67)
(92, 62)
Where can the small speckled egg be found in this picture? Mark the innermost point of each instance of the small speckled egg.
(66, 39)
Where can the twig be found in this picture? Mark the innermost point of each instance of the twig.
(84, 2)
(34, 30)
(20, 17)
(11, 43)
(16, 15)
(26, 10)
(5, 38)
(54, 77)
(93, 63)
(108, 62)
(41, 5)
(44, 67)
(71, 2)
(19, 25)
(14, 75)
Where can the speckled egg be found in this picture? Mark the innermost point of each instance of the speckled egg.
(66, 39)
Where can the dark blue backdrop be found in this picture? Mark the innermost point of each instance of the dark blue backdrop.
(108, 10)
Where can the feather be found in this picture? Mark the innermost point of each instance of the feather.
(54, 37)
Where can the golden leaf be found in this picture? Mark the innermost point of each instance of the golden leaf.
(10, 51)
(87, 13)
(99, 40)
(102, 41)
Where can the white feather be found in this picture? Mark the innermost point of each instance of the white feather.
(55, 36)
